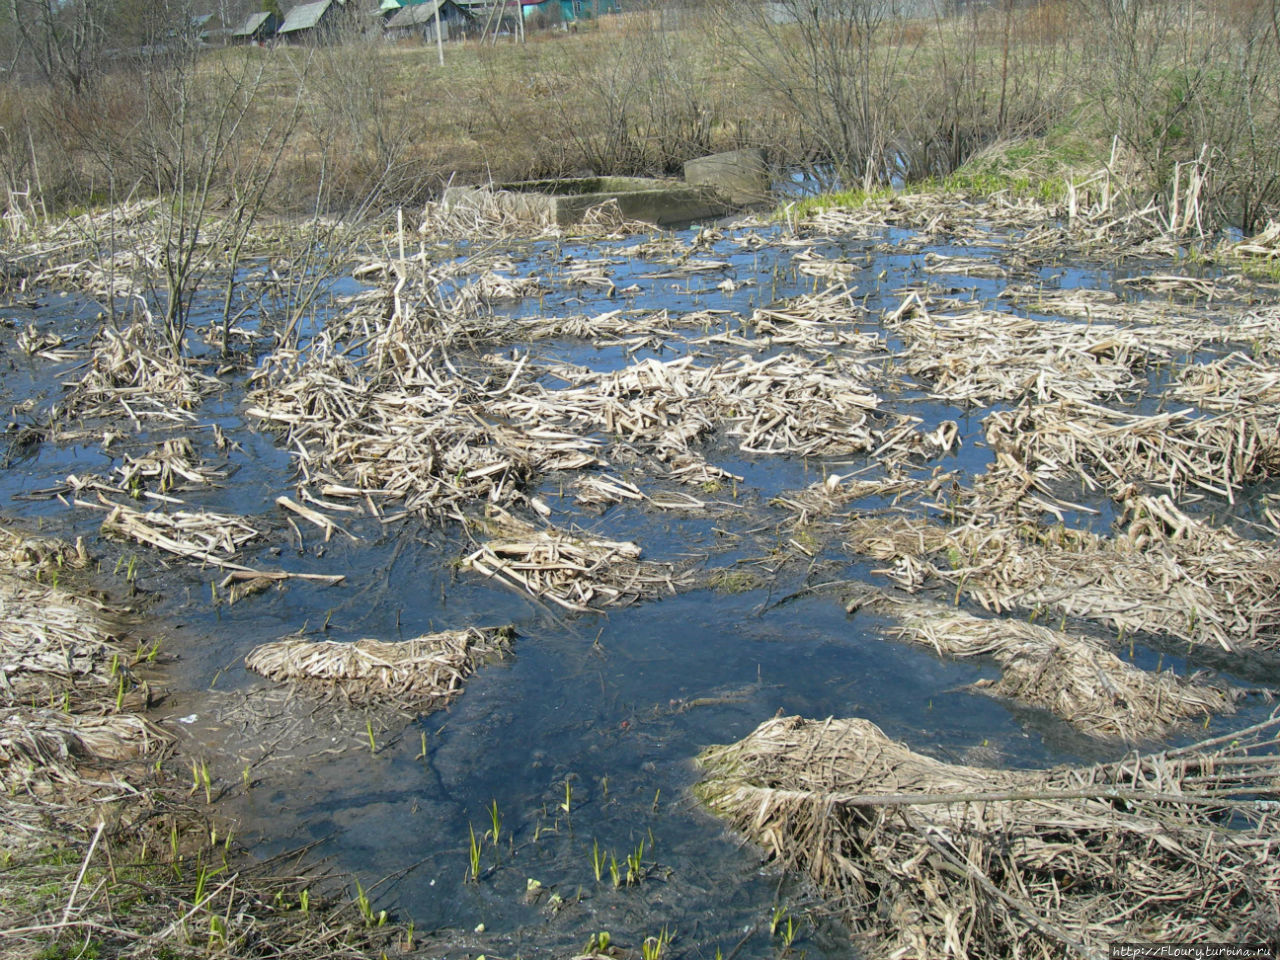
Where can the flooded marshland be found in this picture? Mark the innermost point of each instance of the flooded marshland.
(1002, 485)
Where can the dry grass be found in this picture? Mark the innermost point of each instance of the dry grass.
(576, 573)
(1166, 573)
(1074, 677)
(424, 674)
(926, 859)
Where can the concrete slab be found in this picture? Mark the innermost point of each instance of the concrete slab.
(566, 201)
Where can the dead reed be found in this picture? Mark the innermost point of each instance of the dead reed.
(52, 640)
(1165, 573)
(1075, 677)
(1112, 449)
(1235, 384)
(424, 673)
(927, 859)
(135, 375)
(576, 573)
(981, 357)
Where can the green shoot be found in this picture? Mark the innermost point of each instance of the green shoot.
(368, 728)
(217, 933)
(495, 818)
(597, 859)
(789, 932)
(201, 880)
(635, 865)
(778, 914)
(474, 853)
(654, 948)
(365, 908)
(599, 943)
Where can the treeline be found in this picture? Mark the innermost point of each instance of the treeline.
(859, 93)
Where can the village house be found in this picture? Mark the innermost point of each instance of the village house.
(316, 22)
(258, 27)
(418, 18)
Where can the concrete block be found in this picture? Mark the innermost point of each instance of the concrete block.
(740, 176)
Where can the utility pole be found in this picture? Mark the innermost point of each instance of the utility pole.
(439, 29)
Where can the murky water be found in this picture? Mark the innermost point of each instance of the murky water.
(613, 706)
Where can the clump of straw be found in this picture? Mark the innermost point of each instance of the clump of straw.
(925, 859)
(426, 672)
(1074, 677)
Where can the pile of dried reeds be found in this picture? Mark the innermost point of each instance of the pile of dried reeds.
(489, 214)
(134, 374)
(1235, 383)
(1072, 676)
(573, 572)
(925, 859)
(1166, 573)
(418, 436)
(18, 550)
(1113, 449)
(403, 421)
(1100, 306)
(203, 537)
(173, 463)
(816, 321)
(783, 404)
(51, 640)
(38, 746)
(424, 673)
(1265, 244)
(826, 497)
(981, 357)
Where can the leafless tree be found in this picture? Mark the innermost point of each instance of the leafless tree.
(838, 64)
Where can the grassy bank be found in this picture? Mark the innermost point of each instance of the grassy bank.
(111, 844)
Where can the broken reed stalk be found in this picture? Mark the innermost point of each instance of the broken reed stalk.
(204, 538)
(930, 860)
